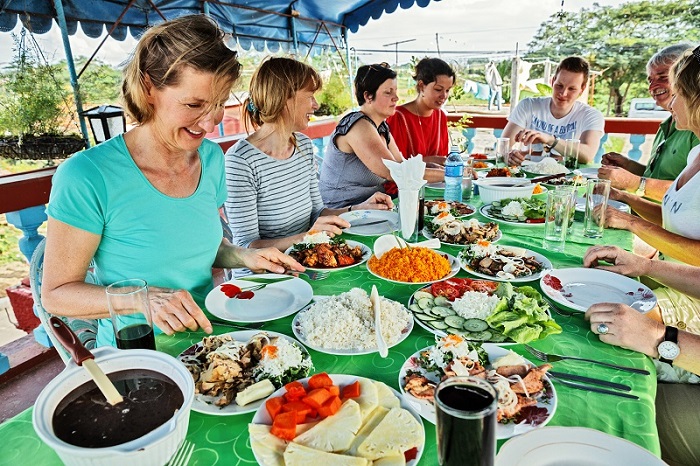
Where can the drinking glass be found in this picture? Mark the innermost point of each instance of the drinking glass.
(572, 192)
(467, 187)
(465, 410)
(502, 149)
(556, 223)
(409, 214)
(571, 148)
(131, 314)
(597, 194)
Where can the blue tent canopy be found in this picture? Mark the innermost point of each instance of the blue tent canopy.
(253, 23)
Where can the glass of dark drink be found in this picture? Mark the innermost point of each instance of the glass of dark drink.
(131, 314)
(466, 422)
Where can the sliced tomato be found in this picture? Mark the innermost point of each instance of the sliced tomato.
(445, 289)
(247, 294)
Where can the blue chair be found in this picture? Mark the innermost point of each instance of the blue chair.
(85, 329)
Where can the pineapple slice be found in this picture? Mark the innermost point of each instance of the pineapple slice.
(368, 398)
(385, 397)
(335, 433)
(393, 460)
(372, 421)
(397, 432)
(267, 447)
(299, 455)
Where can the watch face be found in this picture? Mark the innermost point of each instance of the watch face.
(668, 350)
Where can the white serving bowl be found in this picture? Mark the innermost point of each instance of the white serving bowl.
(154, 448)
(498, 188)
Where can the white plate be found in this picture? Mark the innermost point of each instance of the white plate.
(621, 206)
(581, 288)
(590, 173)
(274, 301)
(427, 408)
(488, 166)
(454, 268)
(440, 185)
(296, 328)
(366, 253)
(263, 417)
(546, 267)
(429, 235)
(391, 224)
(484, 211)
(205, 404)
(572, 446)
(450, 202)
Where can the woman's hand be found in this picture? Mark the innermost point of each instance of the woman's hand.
(267, 259)
(626, 327)
(175, 311)
(619, 177)
(622, 262)
(331, 224)
(377, 201)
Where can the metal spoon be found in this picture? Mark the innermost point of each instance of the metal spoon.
(381, 344)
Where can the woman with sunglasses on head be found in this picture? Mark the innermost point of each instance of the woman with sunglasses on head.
(271, 176)
(145, 204)
(352, 167)
(669, 153)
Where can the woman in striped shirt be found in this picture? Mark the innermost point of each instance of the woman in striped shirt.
(273, 196)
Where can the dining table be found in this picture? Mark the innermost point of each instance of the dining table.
(224, 440)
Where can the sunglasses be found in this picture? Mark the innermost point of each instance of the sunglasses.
(375, 67)
(655, 158)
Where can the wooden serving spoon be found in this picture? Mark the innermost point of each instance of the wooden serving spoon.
(83, 357)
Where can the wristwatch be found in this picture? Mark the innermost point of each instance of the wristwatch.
(642, 189)
(551, 146)
(669, 349)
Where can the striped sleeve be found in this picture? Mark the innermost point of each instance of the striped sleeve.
(242, 194)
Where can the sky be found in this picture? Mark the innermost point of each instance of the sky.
(461, 25)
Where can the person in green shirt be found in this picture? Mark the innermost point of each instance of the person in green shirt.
(669, 153)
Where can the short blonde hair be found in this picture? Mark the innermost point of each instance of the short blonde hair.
(162, 53)
(277, 80)
(686, 82)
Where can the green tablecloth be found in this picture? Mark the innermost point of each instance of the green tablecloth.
(224, 440)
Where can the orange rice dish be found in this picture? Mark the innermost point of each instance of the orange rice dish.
(411, 265)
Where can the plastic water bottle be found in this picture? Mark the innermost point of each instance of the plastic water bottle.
(454, 172)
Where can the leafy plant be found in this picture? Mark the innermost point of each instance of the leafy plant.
(334, 98)
(543, 90)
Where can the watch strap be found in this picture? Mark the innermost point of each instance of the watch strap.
(670, 334)
(642, 189)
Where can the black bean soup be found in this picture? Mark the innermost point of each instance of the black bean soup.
(84, 418)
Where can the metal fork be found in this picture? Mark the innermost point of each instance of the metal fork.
(555, 357)
(183, 454)
(311, 274)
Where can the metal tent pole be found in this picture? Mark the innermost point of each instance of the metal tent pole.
(350, 72)
(61, 16)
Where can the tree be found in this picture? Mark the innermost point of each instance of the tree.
(618, 40)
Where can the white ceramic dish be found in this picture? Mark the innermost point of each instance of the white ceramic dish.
(299, 333)
(503, 431)
(440, 185)
(621, 206)
(156, 447)
(454, 268)
(462, 204)
(484, 210)
(572, 446)
(371, 216)
(263, 417)
(366, 253)
(580, 288)
(274, 301)
(205, 404)
(497, 188)
(546, 266)
(429, 235)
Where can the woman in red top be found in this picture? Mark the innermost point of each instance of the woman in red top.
(420, 126)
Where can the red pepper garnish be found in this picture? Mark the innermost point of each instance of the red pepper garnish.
(535, 220)
(410, 454)
(552, 282)
(245, 295)
(230, 290)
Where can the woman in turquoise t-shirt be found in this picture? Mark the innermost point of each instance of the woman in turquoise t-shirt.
(146, 204)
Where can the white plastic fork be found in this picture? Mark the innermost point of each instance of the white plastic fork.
(183, 454)
(376, 305)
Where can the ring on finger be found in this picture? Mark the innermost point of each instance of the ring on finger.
(603, 329)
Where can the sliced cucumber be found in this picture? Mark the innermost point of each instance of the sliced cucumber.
(415, 307)
(422, 294)
(441, 301)
(480, 336)
(424, 317)
(497, 337)
(475, 325)
(425, 303)
(438, 325)
(443, 311)
(454, 321)
(454, 330)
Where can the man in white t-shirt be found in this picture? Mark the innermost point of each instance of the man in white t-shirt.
(549, 121)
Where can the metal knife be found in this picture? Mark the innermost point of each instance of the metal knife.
(364, 224)
(581, 378)
(597, 390)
